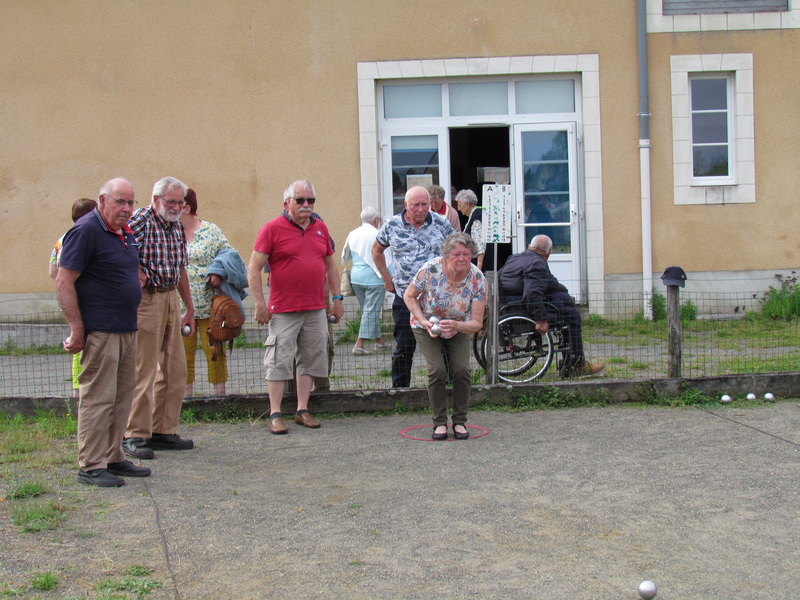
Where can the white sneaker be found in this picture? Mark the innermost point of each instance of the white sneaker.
(357, 350)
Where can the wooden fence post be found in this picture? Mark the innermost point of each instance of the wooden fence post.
(674, 328)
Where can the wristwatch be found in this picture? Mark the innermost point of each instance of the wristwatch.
(339, 297)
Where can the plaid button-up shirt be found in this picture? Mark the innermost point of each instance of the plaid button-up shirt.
(162, 247)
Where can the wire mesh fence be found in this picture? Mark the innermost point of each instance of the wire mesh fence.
(721, 334)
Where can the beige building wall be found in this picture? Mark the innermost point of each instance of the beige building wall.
(733, 237)
(238, 98)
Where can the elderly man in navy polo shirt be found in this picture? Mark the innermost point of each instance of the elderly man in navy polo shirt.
(297, 247)
(161, 359)
(98, 288)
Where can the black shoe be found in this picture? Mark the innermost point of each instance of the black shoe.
(135, 448)
(168, 441)
(439, 436)
(127, 469)
(100, 478)
(460, 436)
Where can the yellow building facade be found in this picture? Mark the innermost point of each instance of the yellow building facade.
(239, 98)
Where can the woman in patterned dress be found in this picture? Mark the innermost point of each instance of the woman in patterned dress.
(453, 290)
(204, 241)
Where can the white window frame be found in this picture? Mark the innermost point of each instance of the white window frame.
(730, 178)
(658, 22)
(741, 187)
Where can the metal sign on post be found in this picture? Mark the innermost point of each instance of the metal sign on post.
(496, 230)
(496, 214)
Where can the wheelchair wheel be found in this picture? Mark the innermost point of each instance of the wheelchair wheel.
(478, 349)
(523, 354)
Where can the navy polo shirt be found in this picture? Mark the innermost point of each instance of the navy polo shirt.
(108, 288)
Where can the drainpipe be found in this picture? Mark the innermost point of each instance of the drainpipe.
(644, 160)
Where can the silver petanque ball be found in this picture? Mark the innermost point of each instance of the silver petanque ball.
(433, 320)
(332, 319)
(751, 396)
(186, 330)
(725, 399)
(436, 330)
(769, 397)
(647, 590)
(68, 340)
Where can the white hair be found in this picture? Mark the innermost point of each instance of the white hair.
(290, 191)
(166, 184)
(369, 214)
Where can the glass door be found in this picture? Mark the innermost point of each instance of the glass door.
(546, 196)
(412, 157)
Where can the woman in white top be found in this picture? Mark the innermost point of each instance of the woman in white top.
(366, 279)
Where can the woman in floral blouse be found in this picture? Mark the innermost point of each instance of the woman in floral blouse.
(204, 240)
(453, 290)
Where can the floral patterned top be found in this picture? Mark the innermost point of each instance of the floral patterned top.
(208, 240)
(443, 298)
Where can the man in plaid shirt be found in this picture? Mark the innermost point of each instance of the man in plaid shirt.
(160, 357)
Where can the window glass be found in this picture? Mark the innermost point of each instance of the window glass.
(545, 164)
(536, 97)
(467, 99)
(408, 101)
(710, 127)
(415, 161)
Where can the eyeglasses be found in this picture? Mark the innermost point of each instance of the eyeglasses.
(302, 201)
(120, 202)
(173, 203)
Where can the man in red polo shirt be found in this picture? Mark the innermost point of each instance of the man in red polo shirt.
(298, 249)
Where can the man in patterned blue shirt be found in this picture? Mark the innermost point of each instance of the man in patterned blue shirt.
(415, 236)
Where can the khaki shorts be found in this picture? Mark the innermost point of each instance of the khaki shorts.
(297, 336)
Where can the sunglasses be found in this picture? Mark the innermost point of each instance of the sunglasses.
(302, 201)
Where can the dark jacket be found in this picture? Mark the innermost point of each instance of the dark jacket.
(527, 277)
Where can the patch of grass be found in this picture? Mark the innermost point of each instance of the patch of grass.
(133, 580)
(617, 360)
(782, 302)
(227, 414)
(6, 591)
(350, 332)
(44, 581)
(9, 348)
(548, 397)
(20, 437)
(638, 366)
(35, 516)
(658, 306)
(27, 489)
(354, 506)
(688, 312)
(355, 563)
(384, 373)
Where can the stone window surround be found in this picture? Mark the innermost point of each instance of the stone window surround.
(587, 65)
(685, 190)
(657, 22)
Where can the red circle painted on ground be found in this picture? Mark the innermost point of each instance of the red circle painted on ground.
(403, 433)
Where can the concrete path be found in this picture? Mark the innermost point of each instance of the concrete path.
(574, 504)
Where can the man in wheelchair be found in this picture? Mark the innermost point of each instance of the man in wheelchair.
(526, 277)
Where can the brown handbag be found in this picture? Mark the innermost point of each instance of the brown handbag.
(225, 323)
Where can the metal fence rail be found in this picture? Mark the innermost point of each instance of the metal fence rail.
(722, 334)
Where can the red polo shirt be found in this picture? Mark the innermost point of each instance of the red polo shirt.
(296, 259)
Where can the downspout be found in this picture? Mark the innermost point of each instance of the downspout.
(644, 160)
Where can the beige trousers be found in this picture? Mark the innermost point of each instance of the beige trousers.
(106, 383)
(160, 367)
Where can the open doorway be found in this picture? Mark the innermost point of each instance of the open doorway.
(480, 155)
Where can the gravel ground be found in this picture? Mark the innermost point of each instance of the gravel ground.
(582, 503)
